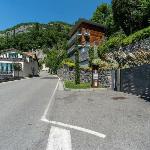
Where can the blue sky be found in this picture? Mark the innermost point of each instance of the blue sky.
(13, 12)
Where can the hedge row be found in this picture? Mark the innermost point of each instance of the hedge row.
(122, 40)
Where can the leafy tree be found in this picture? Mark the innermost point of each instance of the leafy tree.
(103, 15)
(131, 15)
(91, 56)
(52, 60)
(2, 42)
(38, 36)
(17, 67)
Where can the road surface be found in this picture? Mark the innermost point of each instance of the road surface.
(22, 103)
(34, 115)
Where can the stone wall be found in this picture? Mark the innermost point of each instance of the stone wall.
(136, 80)
(69, 74)
(105, 80)
(143, 44)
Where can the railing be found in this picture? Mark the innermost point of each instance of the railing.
(6, 73)
(73, 38)
(71, 49)
(13, 59)
(86, 33)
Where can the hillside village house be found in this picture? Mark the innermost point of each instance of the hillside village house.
(87, 34)
(26, 60)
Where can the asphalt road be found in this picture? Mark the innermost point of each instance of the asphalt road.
(73, 120)
(123, 118)
(22, 103)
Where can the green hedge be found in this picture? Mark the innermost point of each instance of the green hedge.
(121, 40)
(72, 85)
(137, 36)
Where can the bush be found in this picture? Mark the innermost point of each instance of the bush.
(72, 85)
(137, 36)
(121, 40)
(111, 43)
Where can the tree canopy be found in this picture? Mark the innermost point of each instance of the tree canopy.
(103, 15)
(38, 36)
(131, 15)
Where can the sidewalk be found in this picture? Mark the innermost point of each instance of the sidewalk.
(123, 118)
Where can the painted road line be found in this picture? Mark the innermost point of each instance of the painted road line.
(77, 128)
(59, 139)
(43, 118)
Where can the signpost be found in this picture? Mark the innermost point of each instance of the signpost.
(95, 79)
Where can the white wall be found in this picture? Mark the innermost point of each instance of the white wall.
(28, 67)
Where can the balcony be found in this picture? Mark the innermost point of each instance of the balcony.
(87, 44)
(86, 33)
(12, 59)
(73, 38)
(71, 49)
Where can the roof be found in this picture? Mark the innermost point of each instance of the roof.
(30, 54)
(81, 21)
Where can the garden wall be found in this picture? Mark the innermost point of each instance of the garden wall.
(137, 80)
(105, 80)
(143, 44)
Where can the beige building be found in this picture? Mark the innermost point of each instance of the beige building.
(16, 63)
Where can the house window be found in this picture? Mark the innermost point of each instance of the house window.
(13, 55)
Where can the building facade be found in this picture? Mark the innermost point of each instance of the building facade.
(85, 34)
(25, 61)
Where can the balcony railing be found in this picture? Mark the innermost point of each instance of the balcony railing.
(13, 59)
(86, 33)
(73, 38)
(71, 49)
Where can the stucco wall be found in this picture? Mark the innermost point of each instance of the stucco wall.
(28, 68)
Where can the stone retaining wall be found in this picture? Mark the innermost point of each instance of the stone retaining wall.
(105, 80)
(143, 44)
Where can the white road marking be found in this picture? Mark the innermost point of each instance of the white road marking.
(43, 118)
(77, 128)
(59, 139)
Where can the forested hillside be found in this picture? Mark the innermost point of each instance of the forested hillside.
(27, 36)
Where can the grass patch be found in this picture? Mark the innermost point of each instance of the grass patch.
(72, 85)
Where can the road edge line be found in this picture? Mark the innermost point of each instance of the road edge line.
(43, 118)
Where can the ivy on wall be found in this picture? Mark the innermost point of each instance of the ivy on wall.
(77, 68)
(115, 42)
(91, 56)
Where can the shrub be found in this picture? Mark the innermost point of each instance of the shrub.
(116, 42)
(72, 85)
(137, 36)
(111, 43)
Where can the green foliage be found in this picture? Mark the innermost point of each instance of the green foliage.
(17, 67)
(39, 36)
(111, 43)
(55, 56)
(85, 68)
(121, 40)
(91, 56)
(2, 42)
(77, 68)
(103, 15)
(69, 62)
(131, 15)
(52, 60)
(72, 85)
(137, 36)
